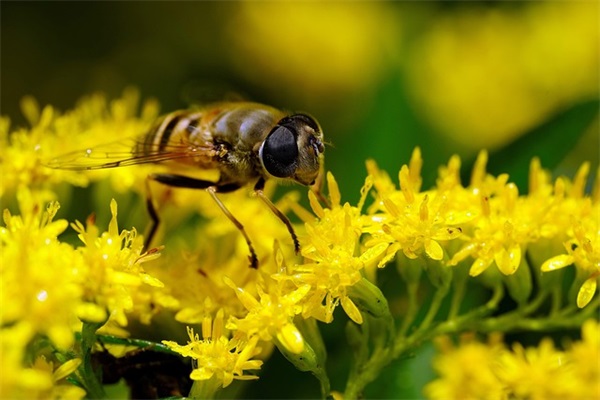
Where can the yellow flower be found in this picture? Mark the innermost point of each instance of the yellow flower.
(579, 218)
(26, 381)
(114, 260)
(331, 264)
(25, 153)
(271, 316)
(413, 222)
(195, 263)
(583, 250)
(491, 96)
(466, 370)
(504, 224)
(536, 372)
(491, 371)
(218, 357)
(584, 356)
(41, 279)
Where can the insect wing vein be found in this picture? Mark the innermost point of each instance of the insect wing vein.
(125, 153)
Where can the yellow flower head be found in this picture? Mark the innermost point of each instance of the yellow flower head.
(332, 264)
(114, 260)
(42, 278)
(38, 380)
(465, 370)
(25, 153)
(218, 357)
(271, 315)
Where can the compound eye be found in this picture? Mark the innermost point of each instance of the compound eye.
(279, 153)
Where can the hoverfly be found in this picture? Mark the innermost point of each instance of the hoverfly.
(245, 142)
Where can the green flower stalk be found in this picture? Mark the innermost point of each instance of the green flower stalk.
(456, 252)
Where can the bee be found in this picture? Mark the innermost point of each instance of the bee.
(245, 142)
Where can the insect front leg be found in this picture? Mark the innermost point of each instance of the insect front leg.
(258, 189)
(211, 188)
(317, 186)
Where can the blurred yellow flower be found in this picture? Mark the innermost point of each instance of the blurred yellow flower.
(42, 279)
(37, 380)
(492, 371)
(25, 152)
(485, 74)
(316, 49)
(465, 370)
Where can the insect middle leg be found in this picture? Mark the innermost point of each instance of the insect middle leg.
(211, 188)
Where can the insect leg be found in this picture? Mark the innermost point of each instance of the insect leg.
(212, 188)
(317, 187)
(154, 219)
(258, 189)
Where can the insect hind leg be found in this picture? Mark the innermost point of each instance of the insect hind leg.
(211, 188)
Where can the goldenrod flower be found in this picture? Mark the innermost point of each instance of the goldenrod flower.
(270, 317)
(539, 365)
(25, 152)
(39, 380)
(216, 356)
(42, 278)
(114, 260)
(582, 246)
(332, 265)
(413, 222)
(465, 371)
(492, 371)
(583, 356)
(487, 100)
(49, 287)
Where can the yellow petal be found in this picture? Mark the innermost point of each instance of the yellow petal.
(291, 338)
(201, 374)
(334, 190)
(479, 265)
(586, 292)
(508, 261)
(351, 310)
(66, 369)
(434, 250)
(152, 281)
(557, 262)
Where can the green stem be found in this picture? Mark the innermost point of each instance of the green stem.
(510, 319)
(557, 299)
(457, 297)
(321, 375)
(204, 389)
(460, 323)
(434, 307)
(412, 310)
(367, 372)
(93, 386)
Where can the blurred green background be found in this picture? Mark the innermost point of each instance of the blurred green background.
(381, 78)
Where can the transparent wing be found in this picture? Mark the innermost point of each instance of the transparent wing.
(131, 152)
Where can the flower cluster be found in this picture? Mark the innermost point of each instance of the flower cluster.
(48, 287)
(218, 357)
(485, 229)
(494, 371)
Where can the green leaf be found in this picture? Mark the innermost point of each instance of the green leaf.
(551, 142)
